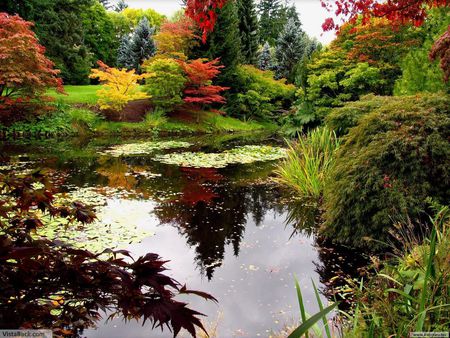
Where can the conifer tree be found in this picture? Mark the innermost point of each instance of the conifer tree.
(291, 46)
(142, 45)
(124, 58)
(248, 27)
(224, 42)
(120, 6)
(265, 58)
(268, 20)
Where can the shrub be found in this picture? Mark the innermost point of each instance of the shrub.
(165, 82)
(341, 119)
(121, 86)
(308, 161)
(257, 95)
(391, 161)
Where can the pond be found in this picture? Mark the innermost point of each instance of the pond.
(227, 230)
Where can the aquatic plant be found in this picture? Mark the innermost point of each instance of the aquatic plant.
(410, 293)
(308, 161)
(143, 148)
(310, 322)
(239, 155)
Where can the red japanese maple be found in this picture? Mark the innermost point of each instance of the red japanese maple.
(401, 11)
(204, 13)
(25, 71)
(441, 49)
(199, 89)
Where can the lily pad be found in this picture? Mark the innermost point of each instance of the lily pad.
(143, 148)
(239, 155)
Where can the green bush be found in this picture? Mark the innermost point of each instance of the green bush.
(395, 158)
(341, 119)
(256, 94)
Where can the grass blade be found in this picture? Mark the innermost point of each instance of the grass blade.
(304, 327)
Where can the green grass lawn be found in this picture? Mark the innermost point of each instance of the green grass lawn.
(77, 94)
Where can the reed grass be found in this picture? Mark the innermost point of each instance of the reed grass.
(308, 161)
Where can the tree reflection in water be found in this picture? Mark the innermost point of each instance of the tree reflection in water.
(212, 213)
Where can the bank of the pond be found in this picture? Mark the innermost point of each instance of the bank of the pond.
(76, 113)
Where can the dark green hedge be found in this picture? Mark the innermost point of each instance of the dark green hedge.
(396, 157)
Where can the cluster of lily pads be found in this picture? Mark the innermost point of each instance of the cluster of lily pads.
(96, 236)
(143, 147)
(239, 155)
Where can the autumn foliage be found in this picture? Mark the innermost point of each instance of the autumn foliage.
(199, 89)
(176, 37)
(25, 72)
(441, 49)
(204, 13)
(399, 11)
(120, 86)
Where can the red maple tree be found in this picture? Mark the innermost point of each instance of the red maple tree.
(199, 90)
(400, 11)
(396, 11)
(25, 71)
(204, 13)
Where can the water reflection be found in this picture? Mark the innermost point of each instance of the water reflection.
(211, 213)
(231, 226)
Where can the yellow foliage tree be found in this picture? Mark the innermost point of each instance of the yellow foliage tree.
(120, 86)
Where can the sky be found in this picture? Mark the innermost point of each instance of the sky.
(312, 15)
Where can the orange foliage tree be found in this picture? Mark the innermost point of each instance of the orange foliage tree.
(177, 37)
(199, 89)
(25, 72)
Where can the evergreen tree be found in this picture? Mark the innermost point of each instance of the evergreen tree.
(224, 42)
(105, 3)
(291, 46)
(248, 27)
(142, 45)
(265, 58)
(120, 6)
(60, 31)
(269, 11)
(124, 58)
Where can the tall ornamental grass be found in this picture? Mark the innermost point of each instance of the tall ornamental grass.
(308, 161)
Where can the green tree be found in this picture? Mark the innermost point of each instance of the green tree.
(269, 20)
(165, 82)
(224, 42)
(273, 16)
(120, 6)
(99, 34)
(60, 30)
(142, 45)
(248, 27)
(265, 59)
(419, 74)
(292, 45)
(124, 58)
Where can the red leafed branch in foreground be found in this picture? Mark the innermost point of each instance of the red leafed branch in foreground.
(204, 13)
(401, 11)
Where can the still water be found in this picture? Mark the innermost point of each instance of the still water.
(227, 231)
